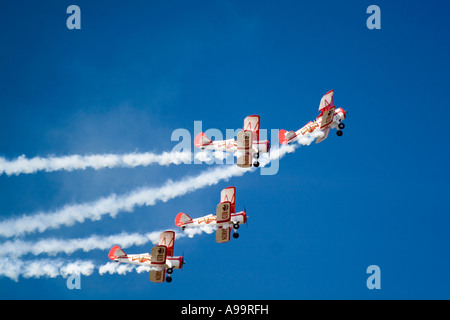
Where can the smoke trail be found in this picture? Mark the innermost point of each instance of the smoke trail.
(122, 269)
(113, 204)
(12, 267)
(53, 268)
(48, 268)
(98, 161)
(52, 246)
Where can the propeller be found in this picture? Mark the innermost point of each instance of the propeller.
(184, 261)
(246, 217)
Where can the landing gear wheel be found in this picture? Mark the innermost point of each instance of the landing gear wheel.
(341, 125)
(169, 279)
(339, 133)
(256, 155)
(235, 235)
(256, 164)
(236, 226)
(169, 270)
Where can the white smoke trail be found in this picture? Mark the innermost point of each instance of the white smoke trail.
(23, 165)
(113, 204)
(11, 266)
(53, 246)
(14, 268)
(122, 269)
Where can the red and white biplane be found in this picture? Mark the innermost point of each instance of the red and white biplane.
(329, 118)
(159, 261)
(246, 146)
(225, 218)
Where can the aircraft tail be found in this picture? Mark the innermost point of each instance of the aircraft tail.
(182, 219)
(202, 140)
(116, 252)
(284, 136)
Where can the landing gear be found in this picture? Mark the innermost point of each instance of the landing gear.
(169, 270)
(256, 157)
(169, 279)
(236, 227)
(340, 126)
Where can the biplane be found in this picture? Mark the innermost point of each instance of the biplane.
(330, 117)
(159, 261)
(225, 219)
(246, 146)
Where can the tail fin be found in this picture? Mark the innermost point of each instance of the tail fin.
(181, 219)
(284, 136)
(202, 140)
(116, 252)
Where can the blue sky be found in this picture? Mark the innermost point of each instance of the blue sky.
(134, 73)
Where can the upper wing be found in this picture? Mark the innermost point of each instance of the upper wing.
(229, 195)
(223, 216)
(244, 144)
(252, 123)
(327, 117)
(167, 239)
(327, 100)
(159, 255)
(223, 212)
